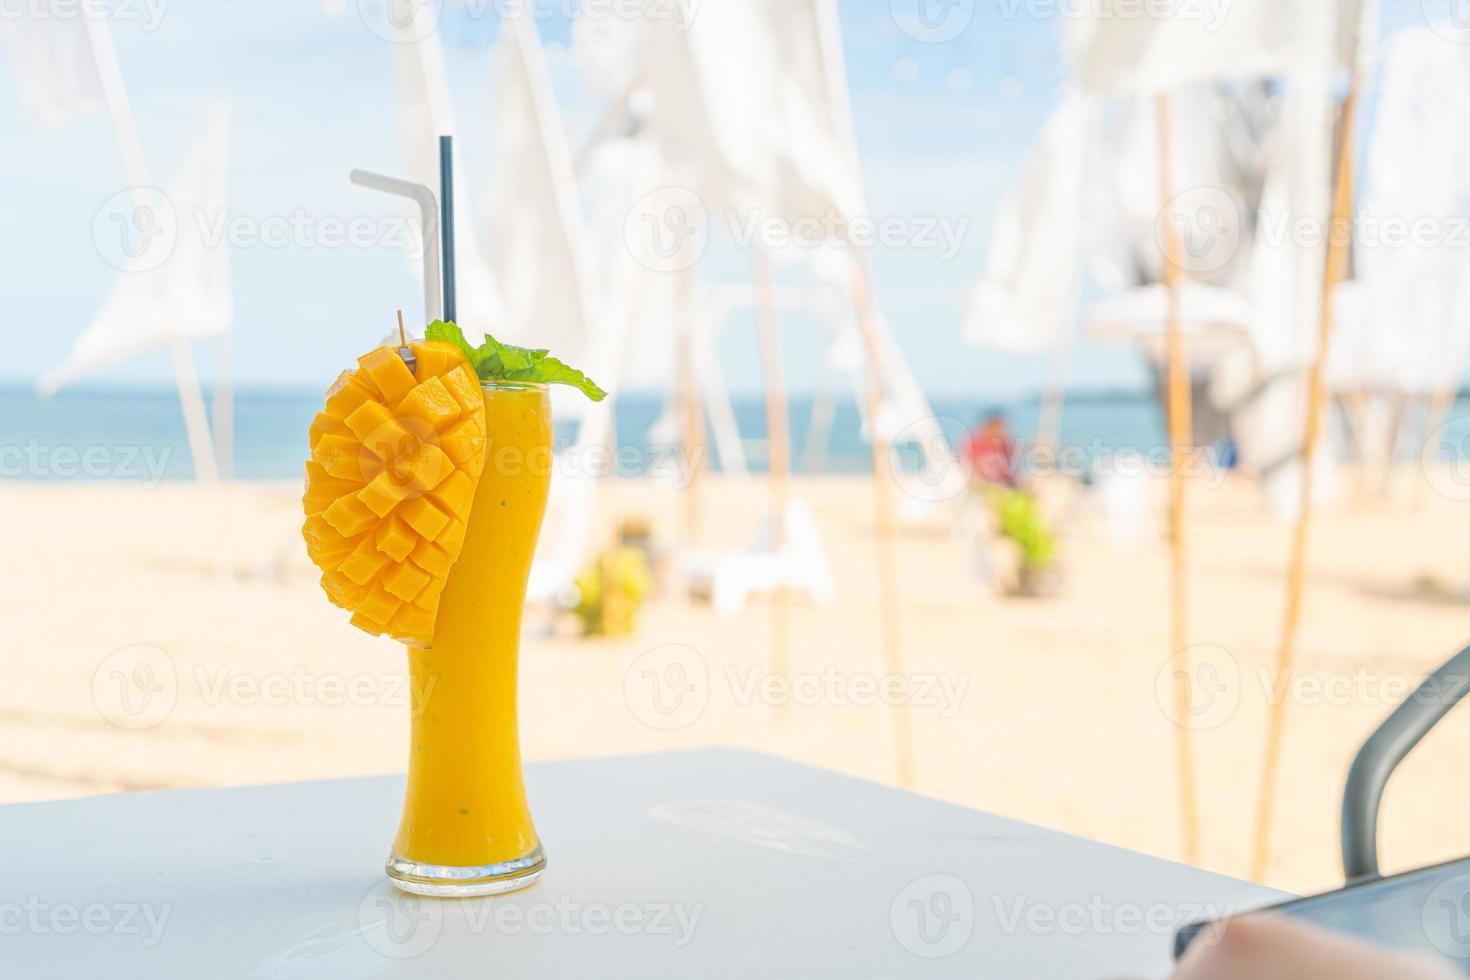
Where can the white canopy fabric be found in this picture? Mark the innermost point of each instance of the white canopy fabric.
(536, 225)
(751, 100)
(1027, 299)
(1124, 47)
(1405, 322)
(640, 312)
(426, 112)
(185, 297)
(55, 61)
(751, 109)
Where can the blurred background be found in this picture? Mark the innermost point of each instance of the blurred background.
(1052, 406)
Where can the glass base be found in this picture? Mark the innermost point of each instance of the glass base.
(441, 881)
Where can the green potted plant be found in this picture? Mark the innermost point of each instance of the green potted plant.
(1022, 522)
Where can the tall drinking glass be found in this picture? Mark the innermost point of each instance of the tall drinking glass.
(466, 826)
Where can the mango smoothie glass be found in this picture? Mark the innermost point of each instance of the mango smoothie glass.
(466, 827)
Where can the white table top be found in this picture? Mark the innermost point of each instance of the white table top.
(703, 864)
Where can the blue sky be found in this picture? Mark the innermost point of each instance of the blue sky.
(943, 129)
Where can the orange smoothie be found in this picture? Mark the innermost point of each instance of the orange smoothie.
(465, 816)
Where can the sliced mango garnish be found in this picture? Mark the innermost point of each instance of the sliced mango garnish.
(396, 456)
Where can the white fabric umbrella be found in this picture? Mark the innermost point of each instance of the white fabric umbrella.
(1027, 299)
(1145, 49)
(55, 57)
(426, 112)
(536, 226)
(185, 297)
(1406, 326)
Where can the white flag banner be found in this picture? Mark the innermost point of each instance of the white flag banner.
(1405, 325)
(1123, 46)
(639, 296)
(184, 292)
(537, 233)
(426, 112)
(752, 101)
(1027, 300)
(53, 48)
(751, 110)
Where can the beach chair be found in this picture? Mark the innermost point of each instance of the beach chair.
(729, 578)
(1381, 755)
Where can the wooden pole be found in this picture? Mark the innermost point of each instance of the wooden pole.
(1338, 253)
(222, 404)
(691, 438)
(1180, 436)
(778, 462)
(886, 525)
(1053, 400)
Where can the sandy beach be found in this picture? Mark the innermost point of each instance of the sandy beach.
(1045, 710)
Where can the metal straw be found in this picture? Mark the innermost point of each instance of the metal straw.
(446, 223)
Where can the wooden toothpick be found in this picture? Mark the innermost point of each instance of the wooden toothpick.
(402, 334)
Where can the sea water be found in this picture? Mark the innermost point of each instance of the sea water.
(137, 434)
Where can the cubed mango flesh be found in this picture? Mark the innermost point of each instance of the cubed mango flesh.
(396, 456)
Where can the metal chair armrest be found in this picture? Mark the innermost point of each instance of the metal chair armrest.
(1381, 755)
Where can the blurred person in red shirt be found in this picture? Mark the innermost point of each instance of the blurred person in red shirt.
(990, 453)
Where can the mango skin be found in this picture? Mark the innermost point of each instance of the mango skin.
(396, 455)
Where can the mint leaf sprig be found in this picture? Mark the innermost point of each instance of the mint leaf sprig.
(494, 361)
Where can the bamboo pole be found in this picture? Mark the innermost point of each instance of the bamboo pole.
(222, 405)
(1053, 400)
(778, 463)
(1338, 253)
(1180, 436)
(691, 437)
(886, 525)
